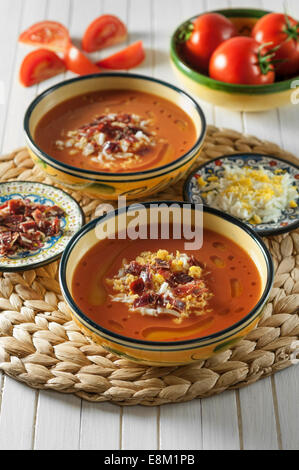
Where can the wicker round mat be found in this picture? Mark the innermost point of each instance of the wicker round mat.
(42, 347)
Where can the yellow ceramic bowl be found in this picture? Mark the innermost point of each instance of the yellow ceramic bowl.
(111, 185)
(235, 97)
(178, 352)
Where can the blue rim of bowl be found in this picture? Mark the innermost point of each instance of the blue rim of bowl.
(52, 258)
(108, 75)
(262, 233)
(205, 80)
(261, 245)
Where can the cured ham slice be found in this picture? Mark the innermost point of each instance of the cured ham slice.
(26, 225)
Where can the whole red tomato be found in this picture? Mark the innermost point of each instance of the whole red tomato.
(240, 60)
(283, 31)
(203, 35)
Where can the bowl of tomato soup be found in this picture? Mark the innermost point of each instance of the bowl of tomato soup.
(114, 134)
(157, 300)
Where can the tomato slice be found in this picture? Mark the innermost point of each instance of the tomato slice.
(103, 32)
(125, 59)
(78, 63)
(46, 34)
(39, 65)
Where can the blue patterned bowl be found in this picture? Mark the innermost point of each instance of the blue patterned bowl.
(53, 246)
(289, 220)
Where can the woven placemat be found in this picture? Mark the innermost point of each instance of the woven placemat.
(41, 346)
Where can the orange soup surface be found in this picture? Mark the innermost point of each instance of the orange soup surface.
(116, 131)
(155, 290)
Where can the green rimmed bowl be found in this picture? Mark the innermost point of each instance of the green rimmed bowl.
(104, 185)
(170, 353)
(235, 97)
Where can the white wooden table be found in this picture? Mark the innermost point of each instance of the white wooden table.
(261, 416)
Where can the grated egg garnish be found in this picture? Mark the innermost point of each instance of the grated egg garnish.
(256, 195)
(112, 139)
(160, 282)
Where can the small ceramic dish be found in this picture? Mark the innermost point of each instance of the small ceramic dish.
(289, 220)
(236, 97)
(169, 353)
(106, 185)
(53, 246)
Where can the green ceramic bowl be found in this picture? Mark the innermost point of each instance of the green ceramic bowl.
(235, 97)
(169, 353)
(105, 185)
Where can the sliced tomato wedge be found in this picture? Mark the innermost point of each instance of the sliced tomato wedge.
(125, 59)
(104, 31)
(77, 62)
(46, 34)
(39, 65)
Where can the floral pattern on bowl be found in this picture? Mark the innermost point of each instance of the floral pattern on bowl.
(289, 219)
(53, 246)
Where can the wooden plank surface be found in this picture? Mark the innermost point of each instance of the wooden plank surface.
(261, 416)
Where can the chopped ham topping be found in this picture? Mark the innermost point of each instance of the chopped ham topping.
(26, 225)
(110, 138)
(162, 283)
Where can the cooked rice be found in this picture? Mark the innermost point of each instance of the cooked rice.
(252, 194)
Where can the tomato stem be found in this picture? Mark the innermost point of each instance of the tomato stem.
(265, 61)
(185, 32)
(291, 31)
